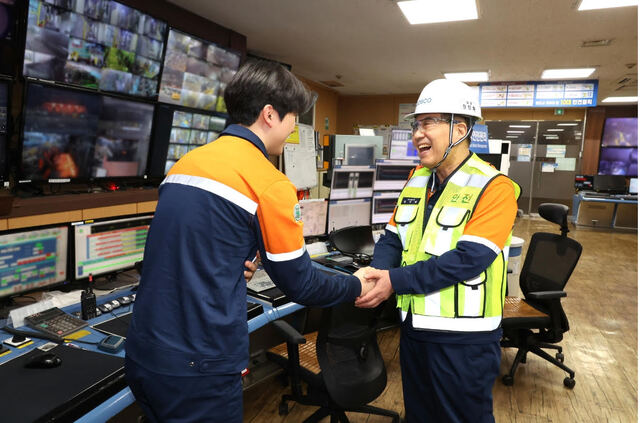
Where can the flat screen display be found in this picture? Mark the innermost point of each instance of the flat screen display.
(96, 44)
(4, 111)
(7, 37)
(620, 132)
(71, 134)
(109, 246)
(32, 259)
(618, 161)
(189, 131)
(196, 72)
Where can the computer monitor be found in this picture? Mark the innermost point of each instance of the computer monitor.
(72, 134)
(196, 72)
(633, 186)
(613, 184)
(33, 259)
(94, 44)
(392, 174)
(401, 147)
(108, 246)
(343, 213)
(314, 217)
(8, 36)
(359, 154)
(351, 182)
(620, 132)
(383, 205)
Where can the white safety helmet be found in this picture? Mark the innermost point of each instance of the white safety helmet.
(448, 96)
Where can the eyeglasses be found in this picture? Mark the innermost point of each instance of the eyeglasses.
(428, 122)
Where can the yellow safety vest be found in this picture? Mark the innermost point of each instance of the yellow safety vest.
(473, 305)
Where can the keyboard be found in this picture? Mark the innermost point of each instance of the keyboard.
(55, 322)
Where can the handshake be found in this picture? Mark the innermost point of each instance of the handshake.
(376, 287)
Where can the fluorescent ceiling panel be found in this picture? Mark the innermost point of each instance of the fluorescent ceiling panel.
(432, 11)
(567, 73)
(567, 124)
(519, 126)
(629, 99)
(605, 4)
(468, 76)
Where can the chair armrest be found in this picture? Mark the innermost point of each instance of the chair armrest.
(546, 295)
(292, 335)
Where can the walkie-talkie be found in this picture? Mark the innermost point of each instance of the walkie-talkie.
(88, 301)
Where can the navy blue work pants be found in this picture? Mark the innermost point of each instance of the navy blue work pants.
(186, 399)
(448, 382)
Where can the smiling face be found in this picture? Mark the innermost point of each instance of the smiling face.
(431, 141)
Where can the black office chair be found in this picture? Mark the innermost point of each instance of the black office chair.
(354, 241)
(341, 365)
(538, 321)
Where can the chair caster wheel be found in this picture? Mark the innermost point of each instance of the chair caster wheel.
(569, 382)
(283, 408)
(507, 380)
(560, 357)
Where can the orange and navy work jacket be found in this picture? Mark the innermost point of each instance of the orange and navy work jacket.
(219, 204)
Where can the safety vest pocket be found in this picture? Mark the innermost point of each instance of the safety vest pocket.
(405, 214)
(471, 296)
(451, 217)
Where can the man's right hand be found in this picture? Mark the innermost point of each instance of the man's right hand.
(366, 285)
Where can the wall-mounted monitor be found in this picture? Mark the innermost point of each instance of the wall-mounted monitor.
(98, 44)
(339, 142)
(620, 132)
(108, 246)
(401, 147)
(392, 174)
(351, 182)
(359, 155)
(70, 134)
(343, 213)
(196, 72)
(177, 131)
(383, 205)
(618, 161)
(33, 259)
(8, 38)
(4, 127)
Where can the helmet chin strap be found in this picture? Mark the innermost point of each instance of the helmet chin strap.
(451, 143)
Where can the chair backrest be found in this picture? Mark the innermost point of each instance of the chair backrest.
(352, 366)
(548, 265)
(355, 241)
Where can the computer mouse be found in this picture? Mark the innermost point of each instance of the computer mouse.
(44, 361)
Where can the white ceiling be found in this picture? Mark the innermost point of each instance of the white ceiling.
(370, 44)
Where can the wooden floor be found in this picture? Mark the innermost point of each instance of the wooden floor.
(602, 307)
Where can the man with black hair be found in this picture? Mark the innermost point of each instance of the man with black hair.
(219, 204)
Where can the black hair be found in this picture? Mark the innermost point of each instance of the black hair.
(258, 83)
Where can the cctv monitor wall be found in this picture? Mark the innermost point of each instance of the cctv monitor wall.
(383, 205)
(196, 72)
(98, 44)
(32, 259)
(108, 246)
(620, 132)
(618, 161)
(70, 134)
(392, 175)
(343, 213)
(351, 182)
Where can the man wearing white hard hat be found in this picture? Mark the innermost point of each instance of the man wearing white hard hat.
(444, 253)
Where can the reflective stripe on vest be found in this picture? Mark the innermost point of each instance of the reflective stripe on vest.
(468, 306)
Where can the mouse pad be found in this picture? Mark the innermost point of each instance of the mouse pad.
(116, 326)
(36, 394)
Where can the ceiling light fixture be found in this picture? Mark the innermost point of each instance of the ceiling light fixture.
(432, 11)
(627, 99)
(515, 132)
(567, 124)
(605, 4)
(468, 76)
(555, 130)
(519, 126)
(512, 136)
(567, 73)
